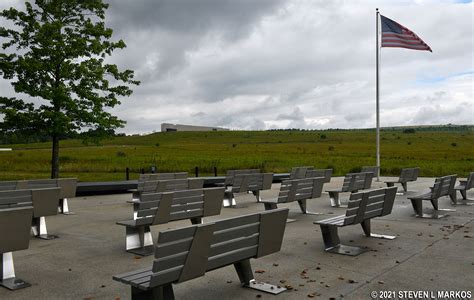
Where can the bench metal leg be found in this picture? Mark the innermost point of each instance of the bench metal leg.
(334, 197)
(270, 206)
(368, 232)
(157, 293)
(465, 200)
(405, 186)
(333, 244)
(302, 204)
(418, 207)
(257, 195)
(63, 207)
(138, 240)
(437, 209)
(196, 220)
(39, 229)
(244, 270)
(229, 199)
(7, 273)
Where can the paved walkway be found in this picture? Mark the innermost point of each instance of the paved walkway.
(428, 255)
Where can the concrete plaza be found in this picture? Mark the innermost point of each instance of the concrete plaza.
(427, 255)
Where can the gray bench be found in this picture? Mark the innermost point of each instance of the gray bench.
(326, 173)
(463, 187)
(68, 189)
(16, 212)
(161, 208)
(229, 177)
(362, 207)
(406, 175)
(244, 183)
(372, 169)
(167, 185)
(443, 186)
(297, 190)
(310, 172)
(160, 176)
(186, 253)
(353, 182)
(45, 203)
(299, 172)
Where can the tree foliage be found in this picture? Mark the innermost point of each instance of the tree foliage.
(55, 53)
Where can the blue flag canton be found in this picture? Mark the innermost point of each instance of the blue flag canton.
(390, 26)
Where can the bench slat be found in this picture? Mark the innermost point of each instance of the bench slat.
(219, 261)
(235, 232)
(166, 249)
(241, 242)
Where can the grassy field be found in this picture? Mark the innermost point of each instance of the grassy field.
(435, 152)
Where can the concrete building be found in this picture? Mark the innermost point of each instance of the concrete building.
(180, 127)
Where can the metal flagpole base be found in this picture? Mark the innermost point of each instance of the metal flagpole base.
(265, 287)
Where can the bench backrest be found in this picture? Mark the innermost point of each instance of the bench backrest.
(229, 178)
(16, 212)
(252, 182)
(160, 208)
(159, 186)
(326, 173)
(470, 181)
(409, 174)
(142, 178)
(357, 181)
(68, 185)
(15, 226)
(189, 252)
(443, 186)
(299, 172)
(15, 198)
(162, 176)
(370, 204)
(44, 201)
(300, 189)
(8, 185)
(371, 169)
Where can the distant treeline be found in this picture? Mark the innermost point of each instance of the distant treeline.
(13, 137)
(18, 137)
(405, 129)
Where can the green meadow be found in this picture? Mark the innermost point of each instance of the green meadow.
(438, 152)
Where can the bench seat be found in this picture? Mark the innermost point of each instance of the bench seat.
(16, 213)
(299, 190)
(443, 186)
(245, 183)
(406, 175)
(362, 207)
(161, 208)
(353, 182)
(190, 252)
(463, 187)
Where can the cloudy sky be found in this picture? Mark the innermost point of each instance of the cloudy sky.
(262, 64)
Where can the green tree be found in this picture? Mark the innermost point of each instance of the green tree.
(55, 53)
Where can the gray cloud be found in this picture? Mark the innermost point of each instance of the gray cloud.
(310, 64)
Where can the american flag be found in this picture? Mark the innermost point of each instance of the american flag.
(396, 35)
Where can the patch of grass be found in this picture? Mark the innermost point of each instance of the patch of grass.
(270, 151)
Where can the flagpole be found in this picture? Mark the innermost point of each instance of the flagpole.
(377, 117)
